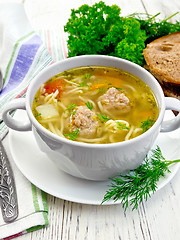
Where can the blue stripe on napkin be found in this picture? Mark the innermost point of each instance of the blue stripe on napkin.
(22, 63)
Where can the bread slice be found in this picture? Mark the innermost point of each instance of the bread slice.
(163, 60)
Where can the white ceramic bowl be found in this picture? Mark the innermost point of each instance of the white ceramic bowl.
(93, 161)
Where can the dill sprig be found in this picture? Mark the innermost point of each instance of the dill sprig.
(102, 117)
(72, 109)
(38, 115)
(83, 84)
(86, 77)
(122, 126)
(138, 184)
(72, 135)
(71, 106)
(146, 124)
(118, 88)
(101, 90)
(155, 28)
(89, 105)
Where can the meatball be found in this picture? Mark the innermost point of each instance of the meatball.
(85, 120)
(114, 100)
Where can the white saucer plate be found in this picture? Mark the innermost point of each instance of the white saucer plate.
(42, 172)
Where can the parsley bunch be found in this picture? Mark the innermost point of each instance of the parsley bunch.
(99, 29)
(138, 184)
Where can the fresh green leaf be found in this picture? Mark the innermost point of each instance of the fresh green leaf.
(103, 118)
(73, 135)
(101, 90)
(83, 84)
(88, 25)
(118, 88)
(138, 184)
(122, 126)
(89, 105)
(71, 106)
(38, 115)
(99, 29)
(146, 124)
(86, 77)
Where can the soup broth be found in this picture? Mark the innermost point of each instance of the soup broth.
(95, 104)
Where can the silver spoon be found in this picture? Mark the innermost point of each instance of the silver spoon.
(8, 193)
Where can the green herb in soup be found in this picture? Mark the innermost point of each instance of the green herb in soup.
(95, 105)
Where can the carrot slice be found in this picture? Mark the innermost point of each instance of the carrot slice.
(53, 86)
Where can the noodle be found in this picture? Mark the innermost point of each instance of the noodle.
(51, 127)
(61, 105)
(137, 132)
(62, 123)
(77, 90)
(129, 133)
(51, 97)
(102, 109)
(114, 124)
(48, 120)
(70, 82)
(130, 87)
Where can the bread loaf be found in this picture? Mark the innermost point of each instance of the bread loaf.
(163, 60)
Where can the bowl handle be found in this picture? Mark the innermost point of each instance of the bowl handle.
(172, 124)
(15, 104)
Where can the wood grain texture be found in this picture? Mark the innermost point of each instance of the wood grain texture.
(156, 219)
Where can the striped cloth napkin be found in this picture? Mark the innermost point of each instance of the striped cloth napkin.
(23, 54)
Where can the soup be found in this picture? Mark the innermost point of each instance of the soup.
(94, 104)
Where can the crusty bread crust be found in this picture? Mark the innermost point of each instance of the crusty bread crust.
(163, 59)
